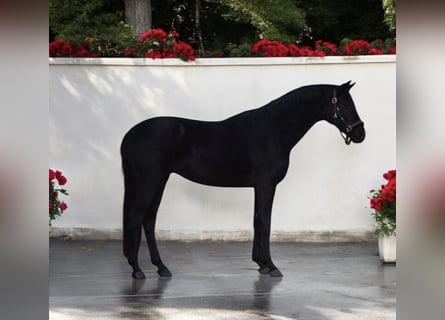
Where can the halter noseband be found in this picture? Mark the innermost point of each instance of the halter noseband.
(337, 115)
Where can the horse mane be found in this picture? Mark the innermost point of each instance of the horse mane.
(294, 101)
(297, 97)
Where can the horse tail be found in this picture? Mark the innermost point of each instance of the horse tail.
(129, 190)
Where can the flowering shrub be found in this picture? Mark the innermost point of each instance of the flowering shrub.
(60, 48)
(296, 51)
(155, 44)
(158, 44)
(328, 48)
(56, 206)
(269, 48)
(357, 47)
(383, 202)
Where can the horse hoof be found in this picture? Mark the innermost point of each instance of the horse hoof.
(165, 273)
(264, 270)
(275, 273)
(138, 275)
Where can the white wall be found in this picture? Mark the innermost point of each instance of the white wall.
(94, 102)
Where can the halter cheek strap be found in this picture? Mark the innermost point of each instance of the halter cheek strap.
(337, 115)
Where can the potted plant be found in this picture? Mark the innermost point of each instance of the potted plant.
(383, 203)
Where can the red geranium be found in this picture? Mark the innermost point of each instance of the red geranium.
(328, 48)
(375, 51)
(153, 54)
(154, 35)
(60, 48)
(383, 202)
(270, 48)
(157, 43)
(56, 207)
(184, 51)
(357, 47)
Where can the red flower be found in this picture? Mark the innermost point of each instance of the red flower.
(389, 175)
(387, 194)
(174, 33)
(154, 34)
(59, 176)
(55, 47)
(357, 47)
(67, 49)
(294, 50)
(56, 206)
(327, 47)
(318, 53)
(153, 54)
(376, 203)
(130, 52)
(52, 175)
(269, 48)
(63, 206)
(61, 180)
(184, 51)
(81, 51)
(376, 51)
(392, 50)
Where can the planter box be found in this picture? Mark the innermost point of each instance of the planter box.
(387, 249)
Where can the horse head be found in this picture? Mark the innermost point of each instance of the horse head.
(343, 114)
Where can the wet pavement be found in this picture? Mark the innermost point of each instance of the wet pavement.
(217, 280)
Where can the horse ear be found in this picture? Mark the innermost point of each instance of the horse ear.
(345, 87)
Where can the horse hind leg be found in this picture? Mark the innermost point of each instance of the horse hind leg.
(132, 229)
(149, 228)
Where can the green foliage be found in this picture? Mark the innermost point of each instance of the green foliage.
(273, 19)
(79, 20)
(384, 45)
(334, 20)
(241, 50)
(386, 221)
(390, 13)
(223, 22)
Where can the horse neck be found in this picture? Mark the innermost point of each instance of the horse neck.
(295, 113)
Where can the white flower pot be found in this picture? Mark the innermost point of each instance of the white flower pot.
(387, 249)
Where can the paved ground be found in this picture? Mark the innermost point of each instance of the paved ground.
(217, 280)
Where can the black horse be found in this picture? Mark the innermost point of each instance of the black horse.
(250, 149)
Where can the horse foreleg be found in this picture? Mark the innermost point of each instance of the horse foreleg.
(256, 256)
(262, 220)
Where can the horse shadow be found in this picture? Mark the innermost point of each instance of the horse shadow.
(151, 289)
(262, 292)
(142, 294)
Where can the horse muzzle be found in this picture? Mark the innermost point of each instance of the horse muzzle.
(356, 134)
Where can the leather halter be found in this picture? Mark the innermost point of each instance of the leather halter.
(337, 115)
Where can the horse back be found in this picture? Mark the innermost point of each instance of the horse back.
(221, 153)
